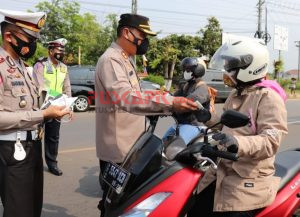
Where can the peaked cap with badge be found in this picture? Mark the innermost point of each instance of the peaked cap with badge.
(136, 21)
(58, 43)
(31, 23)
(20, 138)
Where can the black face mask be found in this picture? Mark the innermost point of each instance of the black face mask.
(59, 56)
(143, 47)
(24, 49)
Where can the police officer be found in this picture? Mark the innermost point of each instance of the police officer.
(52, 76)
(21, 164)
(120, 117)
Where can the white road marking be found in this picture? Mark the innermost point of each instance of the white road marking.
(293, 122)
(77, 150)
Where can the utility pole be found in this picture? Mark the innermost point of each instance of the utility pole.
(134, 6)
(298, 45)
(258, 33)
(266, 24)
(134, 11)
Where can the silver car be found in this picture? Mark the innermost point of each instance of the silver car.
(214, 78)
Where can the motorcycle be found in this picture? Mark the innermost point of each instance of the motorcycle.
(156, 180)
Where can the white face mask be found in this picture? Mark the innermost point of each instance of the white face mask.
(187, 75)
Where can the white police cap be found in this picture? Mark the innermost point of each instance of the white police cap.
(58, 43)
(31, 23)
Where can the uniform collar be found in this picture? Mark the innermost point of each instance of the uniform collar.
(58, 62)
(123, 53)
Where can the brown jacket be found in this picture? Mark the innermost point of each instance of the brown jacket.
(249, 183)
(120, 105)
(16, 85)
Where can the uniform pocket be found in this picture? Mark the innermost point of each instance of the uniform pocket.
(247, 193)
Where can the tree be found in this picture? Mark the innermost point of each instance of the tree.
(278, 67)
(81, 31)
(211, 37)
(165, 55)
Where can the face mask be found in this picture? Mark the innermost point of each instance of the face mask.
(59, 56)
(24, 49)
(143, 47)
(187, 75)
(229, 80)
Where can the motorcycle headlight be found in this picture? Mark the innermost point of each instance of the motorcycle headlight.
(144, 208)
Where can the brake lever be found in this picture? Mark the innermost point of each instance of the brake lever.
(199, 157)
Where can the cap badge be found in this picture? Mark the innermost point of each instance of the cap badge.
(41, 22)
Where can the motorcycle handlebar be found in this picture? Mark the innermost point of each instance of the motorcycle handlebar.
(209, 151)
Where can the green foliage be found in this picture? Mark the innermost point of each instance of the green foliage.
(81, 31)
(158, 79)
(284, 83)
(210, 37)
(164, 50)
(278, 67)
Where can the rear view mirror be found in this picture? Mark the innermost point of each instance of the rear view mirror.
(234, 119)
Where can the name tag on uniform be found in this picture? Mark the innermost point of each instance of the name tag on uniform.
(17, 83)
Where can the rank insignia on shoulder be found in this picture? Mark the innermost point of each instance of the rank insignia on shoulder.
(1, 59)
(63, 69)
(10, 61)
(11, 70)
(124, 55)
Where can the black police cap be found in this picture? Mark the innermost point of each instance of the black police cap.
(136, 21)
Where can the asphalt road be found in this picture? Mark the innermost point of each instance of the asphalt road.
(76, 193)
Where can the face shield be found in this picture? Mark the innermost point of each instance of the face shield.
(229, 64)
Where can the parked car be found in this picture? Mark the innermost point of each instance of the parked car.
(83, 85)
(214, 78)
(148, 85)
(82, 80)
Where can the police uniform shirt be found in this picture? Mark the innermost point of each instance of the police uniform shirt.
(18, 96)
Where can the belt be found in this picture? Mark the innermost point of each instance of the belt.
(24, 135)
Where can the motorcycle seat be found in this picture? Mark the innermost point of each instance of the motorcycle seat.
(287, 165)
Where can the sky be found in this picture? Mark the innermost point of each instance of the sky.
(189, 16)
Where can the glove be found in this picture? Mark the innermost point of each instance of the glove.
(227, 140)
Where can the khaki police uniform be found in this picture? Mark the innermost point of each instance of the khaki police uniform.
(121, 105)
(21, 164)
(53, 79)
(249, 183)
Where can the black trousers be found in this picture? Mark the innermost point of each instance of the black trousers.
(51, 142)
(21, 182)
(203, 206)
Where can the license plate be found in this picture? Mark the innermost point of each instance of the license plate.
(115, 176)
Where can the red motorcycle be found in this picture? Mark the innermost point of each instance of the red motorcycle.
(160, 181)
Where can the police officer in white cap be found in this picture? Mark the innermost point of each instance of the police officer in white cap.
(52, 76)
(21, 164)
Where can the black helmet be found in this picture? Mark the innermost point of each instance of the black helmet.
(195, 65)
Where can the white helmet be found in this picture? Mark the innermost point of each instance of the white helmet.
(244, 61)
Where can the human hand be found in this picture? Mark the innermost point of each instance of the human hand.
(182, 104)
